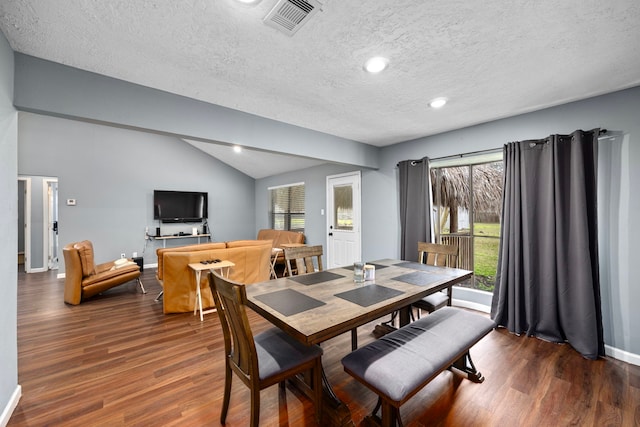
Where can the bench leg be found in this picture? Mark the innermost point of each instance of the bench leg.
(465, 364)
(390, 416)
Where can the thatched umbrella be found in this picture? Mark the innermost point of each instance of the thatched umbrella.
(454, 189)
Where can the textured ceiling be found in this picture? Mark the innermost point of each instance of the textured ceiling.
(492, 59)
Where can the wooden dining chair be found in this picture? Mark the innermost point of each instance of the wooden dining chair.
(262, 360)
(439, 255)
(303, 257)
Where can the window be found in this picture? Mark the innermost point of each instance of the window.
(467, 200)
(286, 207)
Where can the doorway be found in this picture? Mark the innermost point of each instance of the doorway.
(51, 206)
(24, 224)
(343, 219)
(37, 223)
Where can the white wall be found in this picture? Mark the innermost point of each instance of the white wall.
(9, 388)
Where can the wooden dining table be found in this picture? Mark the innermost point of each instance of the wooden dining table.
(322, 305)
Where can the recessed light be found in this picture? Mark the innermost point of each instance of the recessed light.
(376, 64)
(437, 103)
(237, 149)
(248, 1)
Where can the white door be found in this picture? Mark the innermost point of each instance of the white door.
(343, 219)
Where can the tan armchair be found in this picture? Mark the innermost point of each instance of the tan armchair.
(83, 278)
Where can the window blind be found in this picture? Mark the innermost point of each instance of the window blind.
(287, 207)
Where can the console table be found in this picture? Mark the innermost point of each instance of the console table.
(184, 236)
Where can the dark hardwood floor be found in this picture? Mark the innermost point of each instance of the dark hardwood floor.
(117, 360)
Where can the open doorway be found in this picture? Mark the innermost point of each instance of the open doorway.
(37, 223)
(51, 204)
(24, 220)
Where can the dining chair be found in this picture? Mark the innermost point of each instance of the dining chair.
(261, 360)
(438, 255)
(303, 256)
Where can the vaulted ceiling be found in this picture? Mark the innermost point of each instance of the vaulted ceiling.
(491, 59)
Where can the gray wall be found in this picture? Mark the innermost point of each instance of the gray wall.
(47, 87)
(112, 172)
(618, 112)
(9, 389)
(54, 89)
(315, 187)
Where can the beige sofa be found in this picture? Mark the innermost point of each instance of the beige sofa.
(278, 237)
(251, 259)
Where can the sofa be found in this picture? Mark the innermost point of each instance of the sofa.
(84, 278)
(251, 259)
(278, 237)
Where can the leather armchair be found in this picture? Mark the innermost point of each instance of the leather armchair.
(83, 278)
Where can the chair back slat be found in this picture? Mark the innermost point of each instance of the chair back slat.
(437, 254)
(230, 299)
(304, 259)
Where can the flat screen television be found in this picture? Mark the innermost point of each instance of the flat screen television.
(180, 206)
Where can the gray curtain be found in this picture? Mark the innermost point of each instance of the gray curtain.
(415, 206)
(547, 283)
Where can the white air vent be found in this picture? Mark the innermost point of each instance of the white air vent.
(289, 15)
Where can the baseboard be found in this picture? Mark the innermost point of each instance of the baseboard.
(615, 353)
(11, 406)
(622, 355)
(471, 305)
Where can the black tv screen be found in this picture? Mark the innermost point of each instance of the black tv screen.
(180, 206)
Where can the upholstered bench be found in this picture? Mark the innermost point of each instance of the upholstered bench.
(402, 362)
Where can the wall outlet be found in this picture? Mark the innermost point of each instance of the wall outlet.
(123, 255)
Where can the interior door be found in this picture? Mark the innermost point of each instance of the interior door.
(343, 219)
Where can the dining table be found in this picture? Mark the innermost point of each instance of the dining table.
(318, 306)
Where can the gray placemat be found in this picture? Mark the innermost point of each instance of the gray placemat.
(378, 266)
(418, 266)
(419, 278)
(314, 278)
(369, 295)
(289, 302)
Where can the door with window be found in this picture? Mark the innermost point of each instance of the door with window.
(343, 220)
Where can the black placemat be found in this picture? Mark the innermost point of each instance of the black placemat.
(368, 295)
(418, 266)
(419, 278)
(289, 302)
(317, 277)
(378, 266)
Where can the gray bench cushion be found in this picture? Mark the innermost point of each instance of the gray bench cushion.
(400, 363)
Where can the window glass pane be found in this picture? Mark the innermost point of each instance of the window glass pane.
(468, 201)
(286, 208)
(343, 206)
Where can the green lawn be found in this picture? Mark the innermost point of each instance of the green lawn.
(485, 254)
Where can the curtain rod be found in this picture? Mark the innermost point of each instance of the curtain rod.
(459, 156)
(473, 153)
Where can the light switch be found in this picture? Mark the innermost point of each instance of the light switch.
(71, 202)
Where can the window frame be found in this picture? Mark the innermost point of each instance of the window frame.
(292, 210)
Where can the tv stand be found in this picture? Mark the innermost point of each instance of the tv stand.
(186, 236)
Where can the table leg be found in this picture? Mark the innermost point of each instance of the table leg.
(198, 304)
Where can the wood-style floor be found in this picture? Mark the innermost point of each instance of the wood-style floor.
(117, 360)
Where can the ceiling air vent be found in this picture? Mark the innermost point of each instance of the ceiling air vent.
(288, 16)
